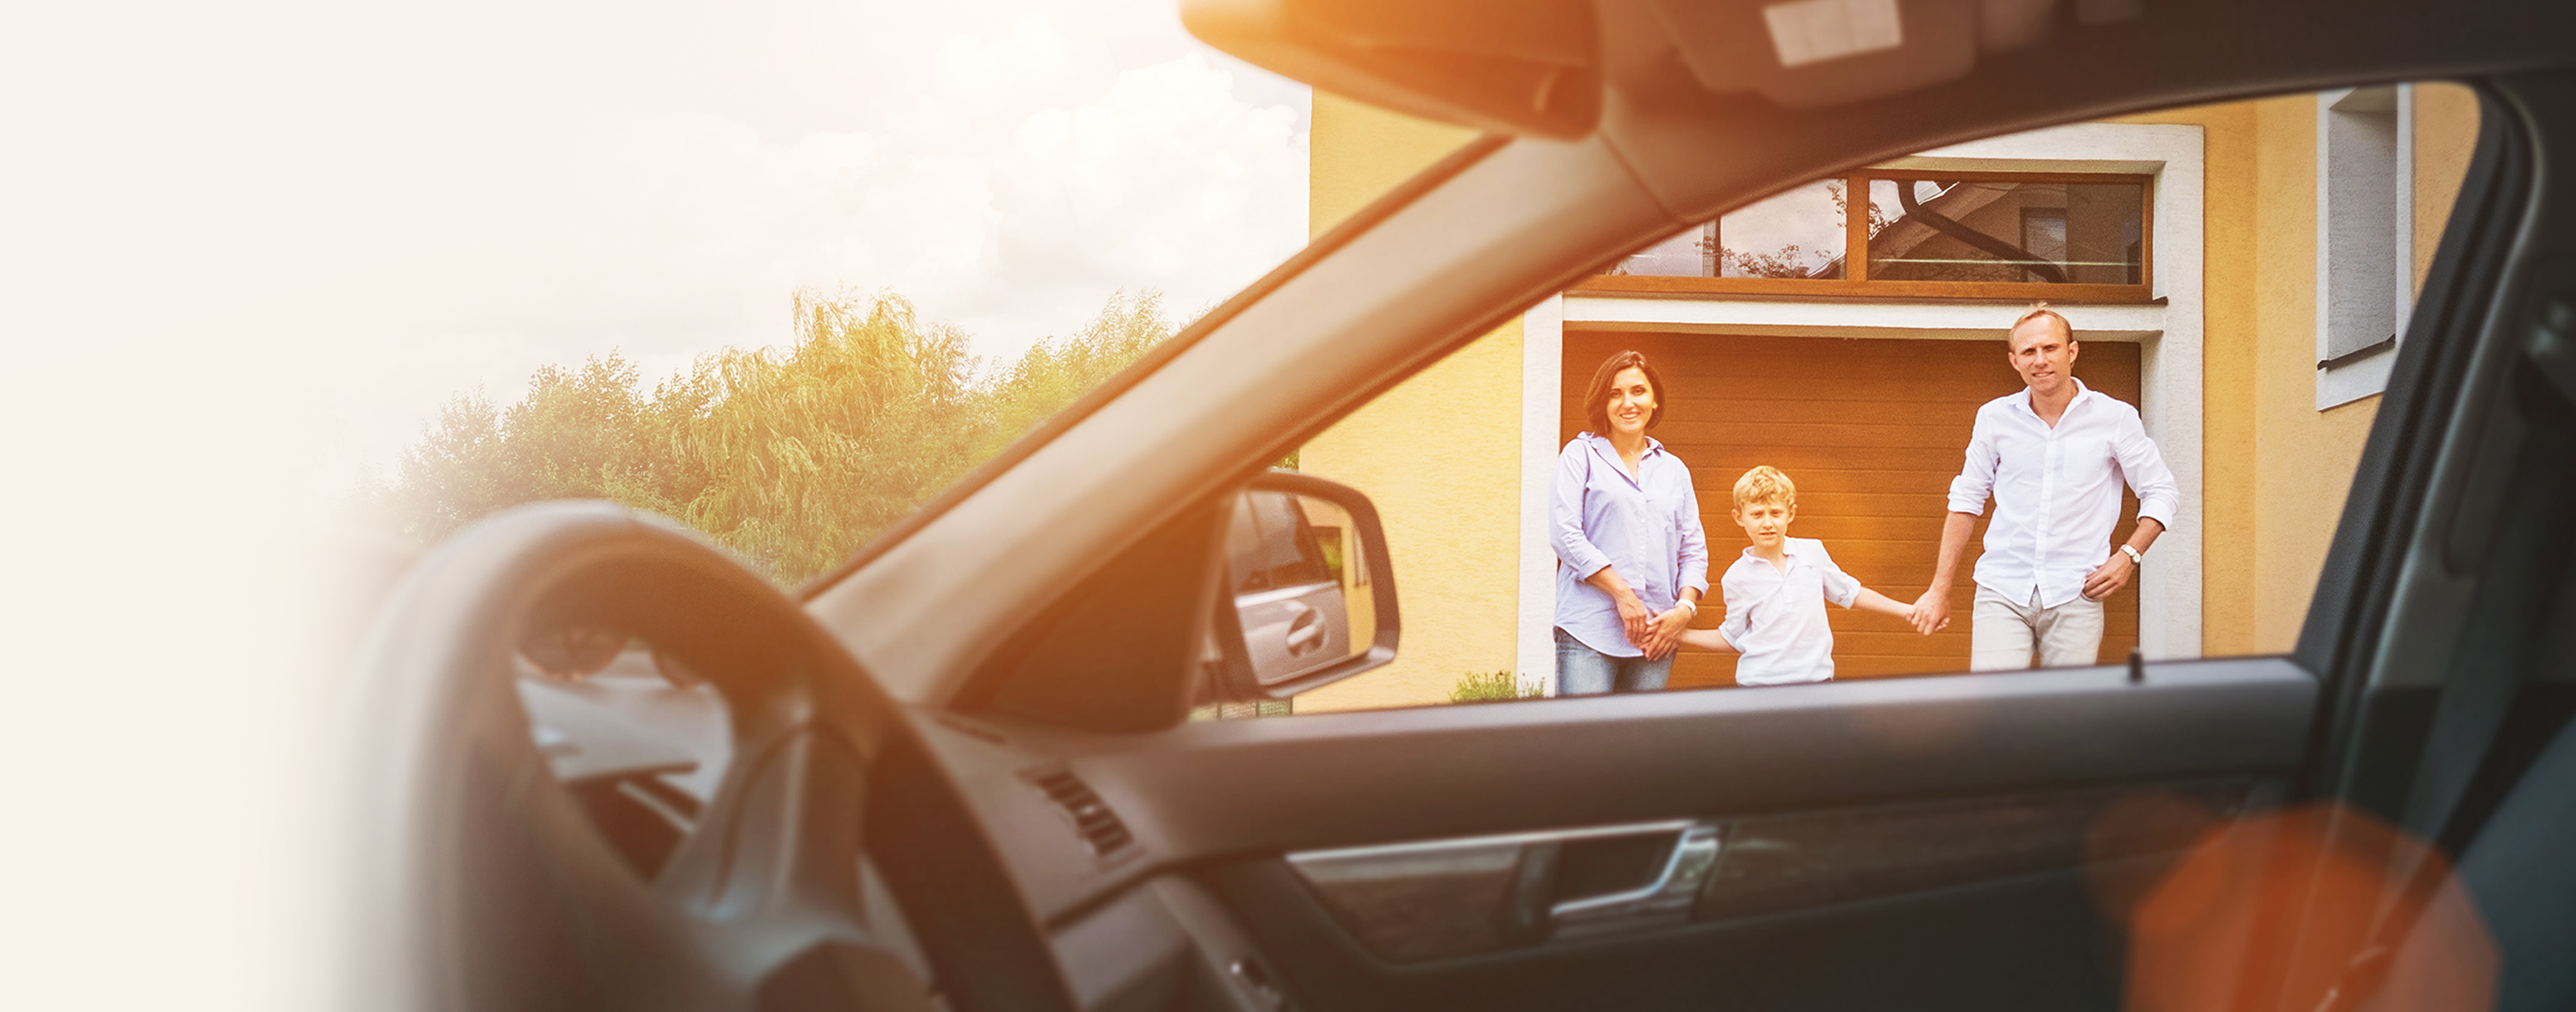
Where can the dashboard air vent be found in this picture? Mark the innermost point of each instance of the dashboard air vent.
(1098, 825)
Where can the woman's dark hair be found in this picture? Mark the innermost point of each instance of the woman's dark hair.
(1596, 402)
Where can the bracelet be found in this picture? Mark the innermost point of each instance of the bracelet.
(1688, 603)
(2136, 557)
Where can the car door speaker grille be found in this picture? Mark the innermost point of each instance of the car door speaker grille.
(1099, 827)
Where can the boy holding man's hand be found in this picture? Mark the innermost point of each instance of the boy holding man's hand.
(1776, 592)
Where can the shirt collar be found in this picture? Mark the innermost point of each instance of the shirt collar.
(1788, 553)
(1653, 445)
(2082, 393)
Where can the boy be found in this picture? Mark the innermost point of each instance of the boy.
(1776, 592)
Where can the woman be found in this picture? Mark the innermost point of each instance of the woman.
(1633, 562)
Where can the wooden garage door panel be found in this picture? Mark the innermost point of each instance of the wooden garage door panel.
(1875, 485)
(1716, 442)
(1786, 357)
(1820, 435)
(1872, 431)
(1696, 413)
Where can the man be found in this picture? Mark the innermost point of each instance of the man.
(2053, 458)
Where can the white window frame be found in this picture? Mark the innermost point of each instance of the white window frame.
(2365, 258)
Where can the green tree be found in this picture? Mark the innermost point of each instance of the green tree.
(458, 472)
(1051, 375)
(793, 457)
(808, 454)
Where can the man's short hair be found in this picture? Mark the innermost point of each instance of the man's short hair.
(1596, 402)
(1765, 484)
(2064, 328)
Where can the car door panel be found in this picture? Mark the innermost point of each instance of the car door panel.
(1214, 788)
(1431, 900)
(2037, 941)
(1694, 841)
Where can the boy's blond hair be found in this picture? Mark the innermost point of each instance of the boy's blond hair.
(1765, 484)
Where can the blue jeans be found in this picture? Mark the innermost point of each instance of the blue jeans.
(1583, 671)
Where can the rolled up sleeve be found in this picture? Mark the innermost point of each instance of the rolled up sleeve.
(1737, 622)
(1976, 480)
(1565, 514)
(2143, 466)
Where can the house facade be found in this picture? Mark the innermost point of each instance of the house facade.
(2240, 272)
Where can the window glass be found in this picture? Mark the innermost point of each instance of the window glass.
(2047, 231)
(2364, 236)
(2009, 228)
(1855, 389)
(1798, 234)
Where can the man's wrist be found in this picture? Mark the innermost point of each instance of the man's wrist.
(2136, 557)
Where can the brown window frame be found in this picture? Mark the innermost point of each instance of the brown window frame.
(1857, 283)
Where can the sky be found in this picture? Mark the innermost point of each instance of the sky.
(247, 249)
(409, 204)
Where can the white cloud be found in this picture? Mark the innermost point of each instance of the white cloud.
(1167, 182)
(668, 233)
(1007, 174)
(1030, 58)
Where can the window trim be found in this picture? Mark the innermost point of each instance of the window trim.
(2349, 374)
(1858, 283)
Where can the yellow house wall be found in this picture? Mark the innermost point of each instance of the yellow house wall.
(2276, 468)
(2304, 458)
(1439, 454)
(2446, 134)
(1357, 153)
(2229, 475)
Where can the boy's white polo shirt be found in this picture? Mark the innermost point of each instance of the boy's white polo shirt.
(1776, 616)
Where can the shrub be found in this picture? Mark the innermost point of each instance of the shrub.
(1491, 687)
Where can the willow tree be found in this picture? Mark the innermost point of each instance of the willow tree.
(811, 451)
(792, 456)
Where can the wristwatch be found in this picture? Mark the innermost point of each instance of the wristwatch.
(2136, 557)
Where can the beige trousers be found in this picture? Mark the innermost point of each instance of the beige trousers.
(2002, 634)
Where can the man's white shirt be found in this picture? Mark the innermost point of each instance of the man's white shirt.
(1775, 615)
(2057, 490)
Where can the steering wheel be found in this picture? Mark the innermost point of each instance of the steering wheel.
(478, 882)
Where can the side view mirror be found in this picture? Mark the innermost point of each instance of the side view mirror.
(1308, 596)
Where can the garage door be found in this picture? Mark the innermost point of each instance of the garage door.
(1872, 432)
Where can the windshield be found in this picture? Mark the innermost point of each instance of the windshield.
(789, 314)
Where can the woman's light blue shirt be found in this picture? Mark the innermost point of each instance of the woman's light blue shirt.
(1647, 527)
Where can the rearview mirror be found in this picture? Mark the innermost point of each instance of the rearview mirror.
(1309, 598)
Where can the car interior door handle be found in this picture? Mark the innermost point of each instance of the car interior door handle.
(1667, 898)
(1435, 899)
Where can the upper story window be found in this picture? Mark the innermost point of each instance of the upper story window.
(2070, 237)
(2365, 237)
